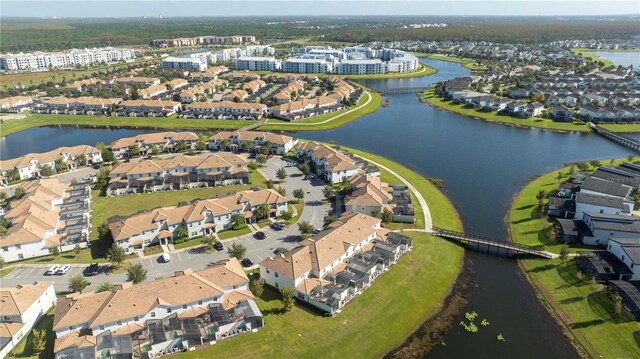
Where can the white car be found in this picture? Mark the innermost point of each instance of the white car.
(52, 270)
(166, 258)
(63, 269)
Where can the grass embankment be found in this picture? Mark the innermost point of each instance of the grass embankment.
(232, 233)
(377, 320)
(35, 78)
(330, 120)
(587, 53)
(470, 64)
(24, 348)
(166, 123)
(587, 315)
(534, 122)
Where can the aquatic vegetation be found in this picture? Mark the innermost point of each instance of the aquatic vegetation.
(501, 338)
(484, 322)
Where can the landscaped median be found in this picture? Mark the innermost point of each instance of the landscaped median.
(376, 321)
(586, 313)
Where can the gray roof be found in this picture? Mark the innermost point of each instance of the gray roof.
(617, 175)
(612, 222)
(627, 241)
(605, 187)
(633, 252)
(599, 200)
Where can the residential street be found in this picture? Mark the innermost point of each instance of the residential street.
(257, 250)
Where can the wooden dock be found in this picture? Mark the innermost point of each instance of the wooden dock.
(402, 90)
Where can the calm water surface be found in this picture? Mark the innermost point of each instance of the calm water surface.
(483, 165)
(620, 57)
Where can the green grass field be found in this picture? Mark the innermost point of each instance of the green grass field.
(534, 122)
(587, 314)
(24, 348)
(232, 233)
(312, 123)
(401, 298)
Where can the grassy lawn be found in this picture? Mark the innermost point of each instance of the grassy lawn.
(299, 206)
(5, 271)
(623, 127)
(193, 242)
(587, 53)
(166, 123)
(311, 123)
(36, 78)
(24, 349)
(466, 63)
(507, 120)
(588, 315)
(232, 233)
(423, 70)
(401, 298)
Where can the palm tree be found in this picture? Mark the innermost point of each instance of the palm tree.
(263, 211)
(238, 220)
(78, 283)
(136, 273)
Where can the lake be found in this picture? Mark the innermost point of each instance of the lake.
(483, 165)
(624, 58)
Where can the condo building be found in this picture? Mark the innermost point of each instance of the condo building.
(43, 61)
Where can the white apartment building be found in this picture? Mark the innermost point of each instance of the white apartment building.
(255, 63)
(259, 50)
(200, 218)
(361, 67)
(42, 61)
(184, 63)
(331, 164)
(238, 140)
(29, 165)
(307, 65)
(22, 306)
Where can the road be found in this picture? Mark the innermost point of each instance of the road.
(257, 250)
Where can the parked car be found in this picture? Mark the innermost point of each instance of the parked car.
(246, 262)
(63, 269)
(317, 230)
(52, 270)
(280, 250)
(278, 225)
(260, 235)
(166, 258)
(218, 246)
(91, 270)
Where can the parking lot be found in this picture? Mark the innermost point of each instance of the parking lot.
(257, 250)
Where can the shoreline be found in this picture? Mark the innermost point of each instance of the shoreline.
(550, 295)
(437, 106)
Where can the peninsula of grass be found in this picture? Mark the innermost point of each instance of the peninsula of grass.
(369, 103)
(470, 64)
(401, 298)
(587, 315)
(588, 54)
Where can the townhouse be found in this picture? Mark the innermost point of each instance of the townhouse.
(146, 108)
(77, 106)
(22, 307)
(206, 88)
(225, 110)
(164, 141)
(159, 317)
(50, 215)
(240, 75)
(16, 104)
(330, 163)
(253, 86)
(29, 166)
(161, 89)
(212, 73)
(340, 262)
(370, 196)
(235, 95)
(257, 63)
(180, 172)
(307, 107)
(43, 61)
(248, 140)
(288, 92)
(137, 81)
(200, 218)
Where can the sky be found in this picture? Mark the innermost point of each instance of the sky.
(154, 8)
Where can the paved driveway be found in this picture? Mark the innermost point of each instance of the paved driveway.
(257, 250)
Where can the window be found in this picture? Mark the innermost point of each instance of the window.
(277, 285)
(268, 270)
(276, 274)
(168, 310)
(18, 246)
(136, 318)
(20, 256)
(184, 306)
(72, 327)
(7, 318)
(235, 287)
(153, 314)
(101, 327)
(6, 249)
(119, 322)
(200, 302)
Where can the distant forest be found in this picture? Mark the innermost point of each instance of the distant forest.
(57, 34)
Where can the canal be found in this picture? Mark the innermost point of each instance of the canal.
(483, 165)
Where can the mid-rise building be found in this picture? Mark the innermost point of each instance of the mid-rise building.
(307, 66)
(360, 67)
(184, 63)
(43, 61)
(255, 63)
